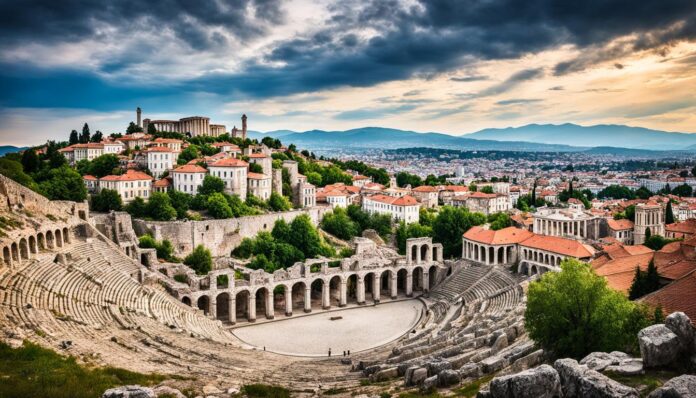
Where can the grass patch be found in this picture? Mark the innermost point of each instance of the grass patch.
(417, 394)
(334, 391)
(34, 371)
(645, 383)
(265, 391)
(471, 389)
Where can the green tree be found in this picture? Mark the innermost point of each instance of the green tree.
(188, 154)
(406, 231)
(63, 183)
(450, 225)
(97, 136)
(85, 136)
(499, 221)
(74, 138)
(13, 170)
(160, 208)
(211, 185)
(669, 213)
(487, 189)
(103, 165)
(637, 288)
(656, 242)
(30, 161)
(151, 129)
(314, 178)
(278, 202)
(616, 192)
(643, 193)
(137, 208)
(255, 168)
(304, 236)
(281, 231)
(106, 200)
(574, 312)
(339, 224)
(683, 190)
(218, 206)
(133, 128)
(200, 260)
(648, 233)
(181, 202)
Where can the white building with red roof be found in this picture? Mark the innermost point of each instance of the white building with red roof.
(263, 160)
(233, 172)
(160, 159)
(130, 185)
(481, 202)
(405, 208)
(188, 178)
(171, 143)
(427, 195)
(621, 230)
(259, 185)
(91, 183)
(228, 147)
(360, 180)
(87, 151)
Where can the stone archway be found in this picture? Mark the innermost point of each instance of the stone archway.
(222, 306)
(414, 253)
(203, 303)
(316, 291)
(66, 235)
(385, 281)
(401, 280)
(23, 249)
(418, 279)
(186, 300)
(15, 253)
(264, 297)
(50, 243)
(298, 296)
(242, 305)
(369, 279)
(432, 277)
(352, 289)
(41, 241)
(6, 257)
(278, 298)
(424, 252)
(59, 238)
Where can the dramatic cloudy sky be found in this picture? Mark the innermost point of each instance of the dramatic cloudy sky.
(452, 66)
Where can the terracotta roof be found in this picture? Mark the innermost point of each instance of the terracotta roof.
(424, 188)
(619, 225)
(190, 168)
(162, 183)
(258, 156)
(679, 295)
(373, 186)
(503, 236)
(455, 188)
(405, 200)
(637, 249)
(168, 141)
(159, 149)
(89, 177)
(482, 195)
(257, 176)
(129, 175)
(360, 177)
(555, 244)
(91, 145)
(687, 227)
(67, 149)
(620, 272)
(230, 162)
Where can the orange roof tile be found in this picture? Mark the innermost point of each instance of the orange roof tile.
(89, 177)
(679, 295)
(162, 183)
(257, 176)
(158, 149)
(230, 162)
(424, 188)
(258, 156)
(505, 236)
(405, 200)
(168, 141)
(190, 168)
(619, 225)
(555, 244)
(129, 175)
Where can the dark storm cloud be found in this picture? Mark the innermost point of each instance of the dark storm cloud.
(511, 82)
(49, 21)
(423, 40)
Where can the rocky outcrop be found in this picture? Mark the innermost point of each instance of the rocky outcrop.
(542, 381)
(601, 360)
(679, 387)
(659, 346)
(129, 392)
(680, 324)
(581, 381)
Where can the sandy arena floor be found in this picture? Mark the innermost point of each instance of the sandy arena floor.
(359, 329)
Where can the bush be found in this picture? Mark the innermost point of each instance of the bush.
(211, 185)
(265, 391)
(106, 200)
(200, 260)
(573, 313)
(165, 249)
(218, 206)
(278, 202)
(339, 224)
(406, 231)
(160, 208)
(137, 208)
(449, 226)
(181, 278)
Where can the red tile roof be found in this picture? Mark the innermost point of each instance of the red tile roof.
(89, 177)
(159, 149)
(230, 162)
(168, 141)
(687, 227)
(405, 200)
(258, 156)
(482, 195)
(505, 236)
(679, 295)
(257, 176)
(129, 175)
(424, 188)
(162, 183)
(555, 244)
(190, 168)
(619, 225)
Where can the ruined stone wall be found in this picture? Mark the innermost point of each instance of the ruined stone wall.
(220, 236)
(18, 197)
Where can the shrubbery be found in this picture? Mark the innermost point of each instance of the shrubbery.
(200, 260)
(165, 249)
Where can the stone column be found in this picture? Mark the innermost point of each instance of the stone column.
(308, 298)
(393, 285)
(426, 281)
(409, 283)
(376, 287)
(288, 301)
(325, 296)
(343, 299)
(270, 308)
(360, 292)
(212, 309)
(251, 311)
(505, 252)
(232, 305)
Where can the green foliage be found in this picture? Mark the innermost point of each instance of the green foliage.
(616, 192)
(133, 128)
(450, 225)
(218, 207)
(381, 223)
(13, 170)
(487, 189)
(414, 230)
(403, 179)
(255, 168)
(30, 161)
(426, 216)
(278, 202)
(63, 183)
(499, 221)
(200, 260)
(211, 185)
(629, 213)
(644, 282)
(160, 208)
(683, 190)
(656, 242)
(181, 202)
(669, 214)
(33, 371)
(101, 166)
(574, 312)
(137, 208)
(271, 142)
(222, 281)
(527, 202)
(314, 178)
(106, 200)
(305, 236)
(188, 154)
(165, 249)
(181, 278)
(265, 391)
(339, 224)
(254, 201)
(85, 135)
(643, 193)
(74, 138)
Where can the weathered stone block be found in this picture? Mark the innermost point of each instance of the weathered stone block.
(658, 346)
(579, 381)
(679, 387)
(448, 378)
(134, 391)
(680, 324)
(541, 382)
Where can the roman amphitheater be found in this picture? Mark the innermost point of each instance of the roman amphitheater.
(78, 283)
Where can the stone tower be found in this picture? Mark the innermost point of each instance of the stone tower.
(244, 127)
(651, 216)
(138, 115)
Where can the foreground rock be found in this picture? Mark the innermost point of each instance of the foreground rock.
(542, 381)
(129, 392)
(680, 324)
(659, 346)
(683, 386)
(601, 360)
(580, 381)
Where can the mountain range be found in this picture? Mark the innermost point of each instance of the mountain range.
(567, 137)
